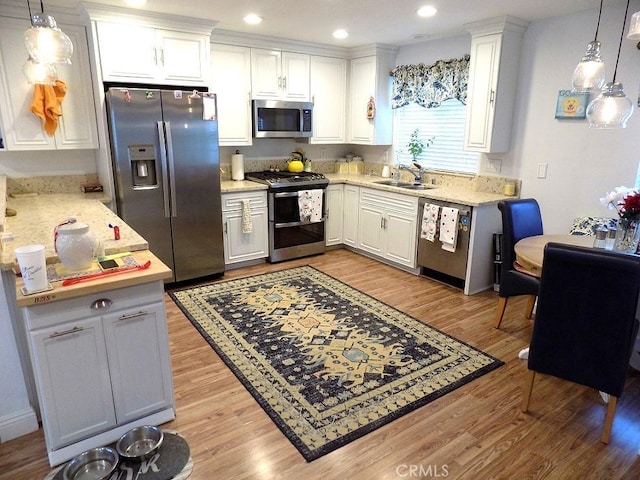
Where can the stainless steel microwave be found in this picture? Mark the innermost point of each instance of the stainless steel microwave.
(281, 119)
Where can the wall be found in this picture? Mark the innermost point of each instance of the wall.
(583, 163)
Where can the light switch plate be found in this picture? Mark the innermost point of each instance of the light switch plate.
(542, 170)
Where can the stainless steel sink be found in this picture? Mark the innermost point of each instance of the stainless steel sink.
(405, 185)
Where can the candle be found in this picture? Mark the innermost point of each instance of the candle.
(509, 188)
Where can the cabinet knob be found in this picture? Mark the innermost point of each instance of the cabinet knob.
(101, 303)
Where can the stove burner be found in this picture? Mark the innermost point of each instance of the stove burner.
(284, 179)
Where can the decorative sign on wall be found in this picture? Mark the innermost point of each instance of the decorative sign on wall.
(572, 104)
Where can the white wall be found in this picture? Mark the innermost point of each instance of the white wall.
(47, 163)
(583, 163)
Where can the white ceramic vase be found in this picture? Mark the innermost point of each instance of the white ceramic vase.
(75, 246)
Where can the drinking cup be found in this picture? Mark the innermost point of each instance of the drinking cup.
(33, 267)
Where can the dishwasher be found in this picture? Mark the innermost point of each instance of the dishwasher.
(436, 262)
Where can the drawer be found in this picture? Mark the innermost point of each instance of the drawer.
(55, 313)
(389, 200)
(233, 201)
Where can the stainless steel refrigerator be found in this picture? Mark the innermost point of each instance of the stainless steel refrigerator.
(166, 165)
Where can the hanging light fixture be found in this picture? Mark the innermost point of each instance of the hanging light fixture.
(611, 109)
(589, 73)
(39, 73)
(45, 42)
(634, 27)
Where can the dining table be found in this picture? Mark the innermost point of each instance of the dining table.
(530, 250)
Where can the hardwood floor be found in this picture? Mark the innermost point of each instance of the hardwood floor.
(474, 432)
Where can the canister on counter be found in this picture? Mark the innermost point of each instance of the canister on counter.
(356, 166)
(341, 166)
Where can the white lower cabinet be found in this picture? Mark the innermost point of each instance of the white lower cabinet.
(351, 214)
(387, 226)
(334, 214)
(101, 366)
(238, 245)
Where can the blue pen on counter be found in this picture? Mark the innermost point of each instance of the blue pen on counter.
(116, 231)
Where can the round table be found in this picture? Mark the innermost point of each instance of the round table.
(530, 250)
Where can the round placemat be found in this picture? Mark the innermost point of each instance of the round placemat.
(172, 462)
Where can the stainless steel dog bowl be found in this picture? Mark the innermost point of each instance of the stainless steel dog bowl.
(94, 464)
(140, 443)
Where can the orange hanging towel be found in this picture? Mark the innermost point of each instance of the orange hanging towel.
(46, 104)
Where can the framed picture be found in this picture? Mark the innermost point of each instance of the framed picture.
(572, 104)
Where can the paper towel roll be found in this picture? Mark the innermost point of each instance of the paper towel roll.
(237, 166)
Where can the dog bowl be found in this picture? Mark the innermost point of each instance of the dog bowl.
(140, 443)
(94, 464)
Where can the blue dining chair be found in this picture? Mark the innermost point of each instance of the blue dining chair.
(586, 321)
(521, 218)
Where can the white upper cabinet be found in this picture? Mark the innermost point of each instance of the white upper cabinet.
(493, 77)
(231, 82)
(130, 52)
(277, 75)
(370, 82)
(329, 96)
(22, 129)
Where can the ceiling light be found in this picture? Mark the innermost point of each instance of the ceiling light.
(253, 19)
(427, 11)
(611, 109)
(589, 74)
(340, 34)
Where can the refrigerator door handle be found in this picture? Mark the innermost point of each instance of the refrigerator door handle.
(163, 164)
(172, 170)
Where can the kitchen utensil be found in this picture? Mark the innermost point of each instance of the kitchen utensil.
(94, 464)
(108, 273)
(295, 164)
(140, 443)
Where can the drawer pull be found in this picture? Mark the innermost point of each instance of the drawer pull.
(101, 303)
(133, 315)
(66, 332)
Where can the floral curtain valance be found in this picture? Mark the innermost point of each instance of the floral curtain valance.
(430, 85)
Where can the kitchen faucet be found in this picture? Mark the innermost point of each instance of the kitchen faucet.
(416, 170)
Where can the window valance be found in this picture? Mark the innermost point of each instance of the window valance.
(430, 85)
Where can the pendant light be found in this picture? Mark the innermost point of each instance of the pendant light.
(611, 109)
(45, 42)
(589, 73)
(634, 27)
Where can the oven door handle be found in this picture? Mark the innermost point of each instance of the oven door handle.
(285, 194)
(294, 224)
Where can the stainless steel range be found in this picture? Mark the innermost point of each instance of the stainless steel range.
(293, 231)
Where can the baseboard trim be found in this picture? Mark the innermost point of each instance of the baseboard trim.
(18, 424)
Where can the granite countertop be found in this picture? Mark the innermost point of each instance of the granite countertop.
(464, 196)
(37, 217)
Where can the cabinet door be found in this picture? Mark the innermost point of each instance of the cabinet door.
(483, 70)
(266, 74)
(371, 229)
(328, 94)
(334, 213)
(183, 57)
(400, 238)
(363, 71)
(72, 379)
(351, 209)
(241, 247)
(137, 347)
(78, 125)
(295, 76)
(231, 81)
(127, 52)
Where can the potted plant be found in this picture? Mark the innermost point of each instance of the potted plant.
(416, 145)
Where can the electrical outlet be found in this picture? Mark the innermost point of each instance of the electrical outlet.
(494, 165)
(323, 153)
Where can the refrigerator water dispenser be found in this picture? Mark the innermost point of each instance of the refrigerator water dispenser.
(143, 166)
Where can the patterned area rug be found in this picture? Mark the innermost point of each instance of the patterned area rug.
(325, 361)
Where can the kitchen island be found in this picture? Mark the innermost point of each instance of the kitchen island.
(75, 344)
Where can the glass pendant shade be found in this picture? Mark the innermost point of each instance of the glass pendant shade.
(634, 28)
(589, 74)
(45, 42)
(610, 109)
(39, 73)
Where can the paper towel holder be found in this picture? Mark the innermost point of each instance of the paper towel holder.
(237, 166)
